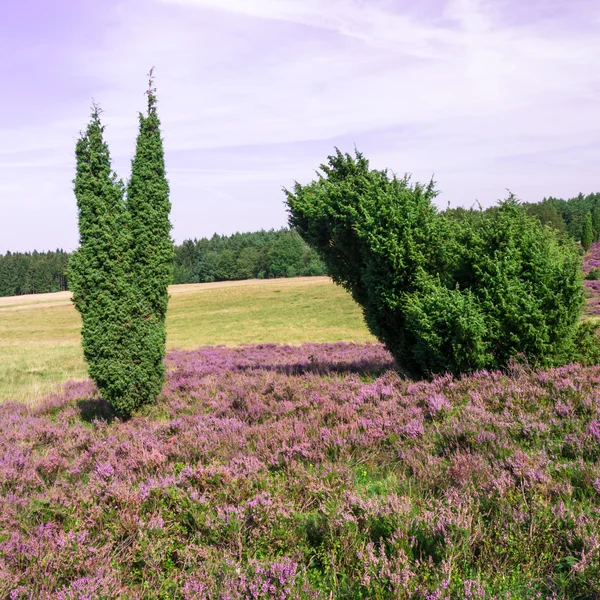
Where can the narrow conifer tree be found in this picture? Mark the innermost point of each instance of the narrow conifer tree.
(151, 252)
(121, 271)
(596, 223)
(98, 269)
(587, 236)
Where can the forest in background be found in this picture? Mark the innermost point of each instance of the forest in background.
(266, 254)
(260, 254)
(579, 216)
(33, 272)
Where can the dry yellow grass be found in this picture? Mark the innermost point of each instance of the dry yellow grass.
(39, 335)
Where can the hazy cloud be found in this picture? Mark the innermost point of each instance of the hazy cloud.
(485, 95)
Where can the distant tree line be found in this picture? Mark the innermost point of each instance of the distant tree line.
(33, 272)
(260, 254)
(579, 216)
(267, 254)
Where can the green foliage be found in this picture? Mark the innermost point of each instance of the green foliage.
(574, 213)
(547, 214)
(149, 207)
(150, 258)
(448, 323)
(99, 269)
(33, 272)
(527, 280)
(260, 254)
(587, 235)
(454, 292)
(121, 271)
(586, 344)
(593, 275)
(596, 223)
(377, 235)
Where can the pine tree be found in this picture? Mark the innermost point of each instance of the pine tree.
(98, 269)
(151, 253)
(587, 235)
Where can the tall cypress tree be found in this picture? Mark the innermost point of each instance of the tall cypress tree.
(98, 269)
(120, 273)
(151, 252)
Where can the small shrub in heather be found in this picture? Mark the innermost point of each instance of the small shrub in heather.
(593, 275)
(312, 472)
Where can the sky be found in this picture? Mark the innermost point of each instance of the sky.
(484, 96)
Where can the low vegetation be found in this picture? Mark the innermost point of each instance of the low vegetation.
(40, 345)
(274, 472)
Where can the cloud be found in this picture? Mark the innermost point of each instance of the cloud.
(252, 95)
(282, 84)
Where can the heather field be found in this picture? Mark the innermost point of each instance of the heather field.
(592, 261)
(315, 471)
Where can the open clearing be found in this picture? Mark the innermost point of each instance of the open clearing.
(40, 334)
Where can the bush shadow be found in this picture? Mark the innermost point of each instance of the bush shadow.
(96, 409)
(364, 368)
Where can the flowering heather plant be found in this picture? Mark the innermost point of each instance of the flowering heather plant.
(309, 472)
(591, 262)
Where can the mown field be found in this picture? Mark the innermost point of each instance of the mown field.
(40, 335)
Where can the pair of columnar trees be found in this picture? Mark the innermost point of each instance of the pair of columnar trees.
(120, 273)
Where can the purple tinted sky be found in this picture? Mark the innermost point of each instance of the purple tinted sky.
(484, 94)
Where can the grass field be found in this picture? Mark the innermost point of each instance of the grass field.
(40, 335)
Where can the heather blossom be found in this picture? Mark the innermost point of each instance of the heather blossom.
(307, 472)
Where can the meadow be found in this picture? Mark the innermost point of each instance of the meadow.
(306, 472)
(40, 345)
(290, 471)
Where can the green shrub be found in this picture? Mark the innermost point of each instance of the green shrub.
(150, 259)
(377, 235)
(443, 293)
(527, 281)
(593, 275)
(586, 346)
(449, 328)
(98, 270)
